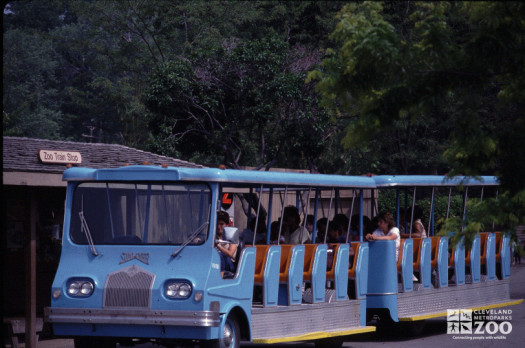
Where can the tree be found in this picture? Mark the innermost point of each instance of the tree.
(30, 86)
(457, 63)
(237, 94)
(242, 100)
(422, 62)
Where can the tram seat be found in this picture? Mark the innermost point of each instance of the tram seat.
(434, 251)
(499, 240)
(330, 273)
(260, 261)
(309, 252)
(351, 270)
(417, 253)
(467, 258)
(286, 256)
(400, 256)
(483, 246)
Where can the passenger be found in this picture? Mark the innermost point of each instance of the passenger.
(387, 230)
(335, 233)
(321, 229)
(403, 221)
(342, 221)
(227, 248)
(274, 235)
(247, 233)
(418, 230)
(310, 224)
(372, 227)
(354, 226)
(294, 233)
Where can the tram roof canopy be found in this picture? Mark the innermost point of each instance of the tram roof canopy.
(232, 176)
(433, 180)
(251, 177)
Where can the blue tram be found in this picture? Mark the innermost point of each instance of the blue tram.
(139, 260)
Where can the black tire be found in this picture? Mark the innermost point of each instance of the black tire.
(332, 342)
(231, 335)
(413, 328)
(90, 342)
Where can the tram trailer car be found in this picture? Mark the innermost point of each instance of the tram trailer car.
(479, 277)
(139, 263)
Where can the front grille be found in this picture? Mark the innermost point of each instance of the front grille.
(129, 287)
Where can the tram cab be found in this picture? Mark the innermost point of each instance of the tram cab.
(139, 260)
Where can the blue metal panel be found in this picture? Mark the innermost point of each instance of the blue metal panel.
(341, 272)
(407, 265)
(382, 277)
(442, 262)
(291, 292)
(506, 256)
(432, 180)
(271, 276)
(424, 262)
(361, 272)
(459, 263)
(490, 260)
(361, 279)
(475, 264)
(319, 273)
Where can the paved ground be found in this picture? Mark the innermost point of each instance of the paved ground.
(434, 334)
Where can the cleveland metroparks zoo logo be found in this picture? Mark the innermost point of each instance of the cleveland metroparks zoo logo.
(473, 324)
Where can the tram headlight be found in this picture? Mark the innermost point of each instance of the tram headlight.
(80, 288)
(178, 289)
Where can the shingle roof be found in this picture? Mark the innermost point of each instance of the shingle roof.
(21, 154)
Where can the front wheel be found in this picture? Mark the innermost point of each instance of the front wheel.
(231, 335)
(90, 342)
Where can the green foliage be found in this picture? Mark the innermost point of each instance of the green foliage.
(30, 86)
(453, 72)
(240, 102)
(421, 61)
(502, 213)
(387, 202)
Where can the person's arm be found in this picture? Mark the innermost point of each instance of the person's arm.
(228, 251)
(387, 237)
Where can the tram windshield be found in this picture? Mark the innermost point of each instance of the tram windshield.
(140, 213)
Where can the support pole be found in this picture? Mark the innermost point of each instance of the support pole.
(30, 334)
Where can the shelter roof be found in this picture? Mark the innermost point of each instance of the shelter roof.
(21, 155)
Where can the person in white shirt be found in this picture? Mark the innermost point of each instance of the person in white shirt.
(419, 230)
(293, 232)
(387, 230)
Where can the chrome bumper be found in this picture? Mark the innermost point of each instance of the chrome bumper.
(131, 317)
